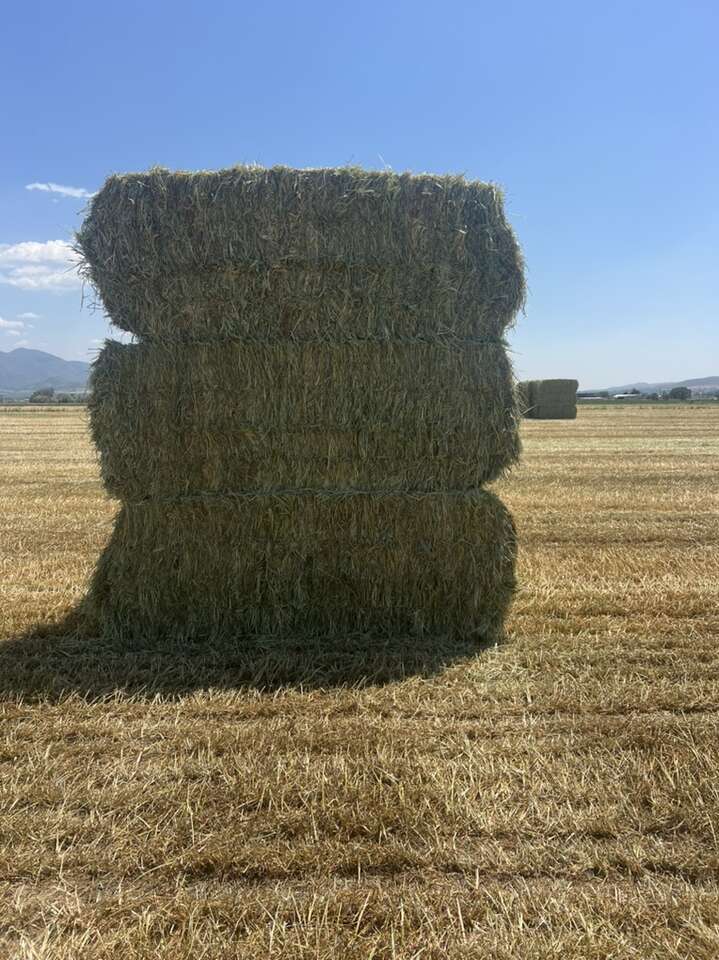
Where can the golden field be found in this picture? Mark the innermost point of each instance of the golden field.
(555, 796)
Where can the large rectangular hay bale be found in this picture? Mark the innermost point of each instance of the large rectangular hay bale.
(253, 252)
(169, 418)
(308, 565)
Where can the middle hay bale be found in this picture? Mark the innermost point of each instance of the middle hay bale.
(170, 419)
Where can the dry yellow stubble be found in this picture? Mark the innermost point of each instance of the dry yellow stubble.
(556, 796)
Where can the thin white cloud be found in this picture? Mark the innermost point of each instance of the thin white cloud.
(80, 193)
(22, 343)
(12, 328)
(38, 276)
(29, 316)
(34, 251)
(32, 265)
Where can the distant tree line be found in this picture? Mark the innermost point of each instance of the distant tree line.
(676, 393)
(48, 395)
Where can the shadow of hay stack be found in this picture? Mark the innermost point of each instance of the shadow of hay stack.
(55, 660)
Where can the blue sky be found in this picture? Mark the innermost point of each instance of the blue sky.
(599, 120)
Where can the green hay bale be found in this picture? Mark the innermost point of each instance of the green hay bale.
(253, 253)
(308, 565)
(553, 399)
(170, 419)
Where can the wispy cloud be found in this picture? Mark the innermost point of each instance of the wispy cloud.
(34, 251)
(78, 192)
(28, 316)
(22, 343)
(12, 328)
(32, 265)
(11, 324)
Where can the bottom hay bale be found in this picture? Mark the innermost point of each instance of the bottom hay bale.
(307, 565)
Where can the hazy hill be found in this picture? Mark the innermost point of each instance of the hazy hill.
(23, 370)
(697, 385)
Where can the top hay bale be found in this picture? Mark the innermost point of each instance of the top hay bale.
(264, 254)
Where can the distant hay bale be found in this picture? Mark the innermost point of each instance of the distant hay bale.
(320, 389)
(548, 399)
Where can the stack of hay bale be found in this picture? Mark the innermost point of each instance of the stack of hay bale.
(548, 399)
(318, 392)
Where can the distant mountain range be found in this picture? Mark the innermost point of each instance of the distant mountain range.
(23, 371)
(698, 385)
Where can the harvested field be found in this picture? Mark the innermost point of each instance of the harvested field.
(555, 796)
